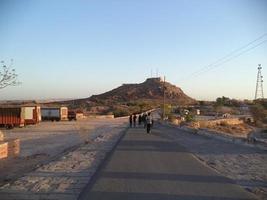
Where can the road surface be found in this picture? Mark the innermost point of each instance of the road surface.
(150, 166)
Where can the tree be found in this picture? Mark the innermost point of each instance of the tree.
(258, 112)
(8, 76)
(223, 101)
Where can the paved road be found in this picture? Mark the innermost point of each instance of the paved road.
(147, 167)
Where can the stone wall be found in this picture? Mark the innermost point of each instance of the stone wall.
(9, 148)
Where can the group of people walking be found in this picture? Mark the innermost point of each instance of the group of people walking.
(145, 120)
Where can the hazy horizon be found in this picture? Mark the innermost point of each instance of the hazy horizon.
(75, 49)
(73, 98)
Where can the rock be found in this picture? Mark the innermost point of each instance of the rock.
(1, 136)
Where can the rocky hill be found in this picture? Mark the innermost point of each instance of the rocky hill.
(152, 89)
(130, 98)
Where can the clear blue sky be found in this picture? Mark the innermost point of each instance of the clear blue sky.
(73, 49)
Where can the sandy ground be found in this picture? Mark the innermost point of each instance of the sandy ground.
(46, 141)
(238, 130)
(65, 177)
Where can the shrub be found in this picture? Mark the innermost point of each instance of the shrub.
(189, 118)
(121, 112)
(223, 123)
(259, 113)
(171, 117)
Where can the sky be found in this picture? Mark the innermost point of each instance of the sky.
(77, 48)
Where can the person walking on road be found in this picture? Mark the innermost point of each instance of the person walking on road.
(131, 121)
(134, 120)
(149, 121)
(144, 119)
(140, 119)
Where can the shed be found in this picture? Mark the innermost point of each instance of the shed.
(31, 114)
(54, 113)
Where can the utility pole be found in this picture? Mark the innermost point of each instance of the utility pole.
(164, 97)
(259, 84)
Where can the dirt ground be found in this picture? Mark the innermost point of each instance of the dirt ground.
(238, 130)
(46, 141)
(66, 176)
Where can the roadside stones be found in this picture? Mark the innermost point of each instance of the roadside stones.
(1, 136)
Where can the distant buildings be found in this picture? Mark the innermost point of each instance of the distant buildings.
(26, 114)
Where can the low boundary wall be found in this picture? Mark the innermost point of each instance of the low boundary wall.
(9, 148)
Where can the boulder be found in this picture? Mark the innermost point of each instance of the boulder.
(1, 136)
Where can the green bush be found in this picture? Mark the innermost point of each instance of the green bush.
(189, 118)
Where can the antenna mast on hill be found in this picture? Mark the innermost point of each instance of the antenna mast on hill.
(259, 85)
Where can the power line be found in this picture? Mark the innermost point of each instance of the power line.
(231, 58)
(228, 57)
(232, 52)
